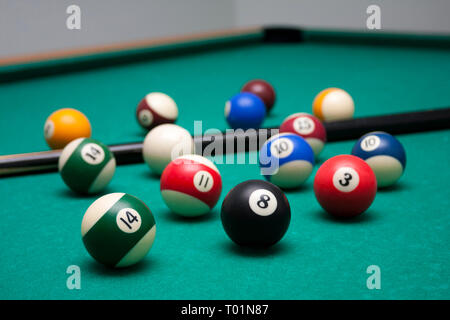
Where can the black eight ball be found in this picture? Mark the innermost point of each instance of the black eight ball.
(255, 213)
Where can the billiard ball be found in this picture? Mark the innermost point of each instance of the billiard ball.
(308, 127)
(255, 213)
(384, 154)
(65, 125)
(118, 230)
(244, 111)
(333, 104)
(262, 89)
(86, 165)
(164, 143)
(156, 108)
(345, 186)
(191, 185)
(286, 160)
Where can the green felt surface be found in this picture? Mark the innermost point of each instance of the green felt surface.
(405, 232)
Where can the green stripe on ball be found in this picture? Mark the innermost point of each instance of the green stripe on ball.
(127, 226)
(89, 167)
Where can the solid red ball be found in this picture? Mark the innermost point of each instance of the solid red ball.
(345, 186)
(263, 90)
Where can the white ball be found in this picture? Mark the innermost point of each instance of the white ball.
(165, 143)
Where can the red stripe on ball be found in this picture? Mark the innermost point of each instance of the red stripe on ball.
(319, 131)
(179, 176)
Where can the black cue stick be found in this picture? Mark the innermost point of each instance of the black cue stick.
(401, 123)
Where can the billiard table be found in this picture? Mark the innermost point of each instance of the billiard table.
(406, 231)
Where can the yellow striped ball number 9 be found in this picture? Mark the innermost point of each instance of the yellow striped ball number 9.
(65, 125)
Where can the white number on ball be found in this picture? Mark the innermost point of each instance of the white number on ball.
(263, 202)
(346, 179)
(304, 125)
(370, 143)
(49, 129)
(92, 153)
(203, 181)
(145, 118)
(128, 220)
(281, 148)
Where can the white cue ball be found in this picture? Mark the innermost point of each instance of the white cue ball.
(164, 143)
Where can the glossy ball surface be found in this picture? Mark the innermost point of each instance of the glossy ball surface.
(255, 213)
(191, 185)
(64, 126)
(333, 104)
(345, 186)
(156, 108)
(262, 89)
(384, 154)
(118, 230)
(165, 143)
(86, 165)
(308, 127)
(244, 111)
(286, 160)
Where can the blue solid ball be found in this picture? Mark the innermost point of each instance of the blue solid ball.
(286, 160)
(245, 110)
(384, 154)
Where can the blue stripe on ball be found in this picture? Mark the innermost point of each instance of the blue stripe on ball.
(301, 151)
(389, 146)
